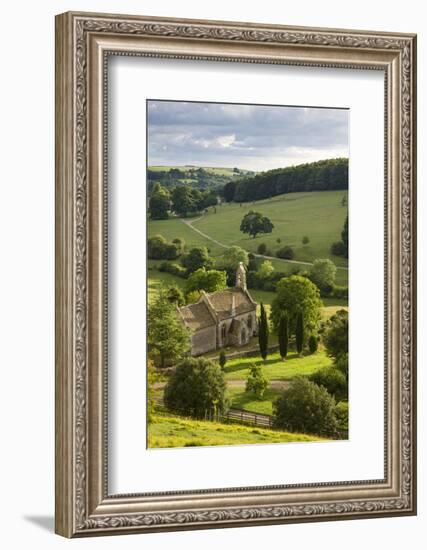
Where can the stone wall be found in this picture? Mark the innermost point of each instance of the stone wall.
(203, 341)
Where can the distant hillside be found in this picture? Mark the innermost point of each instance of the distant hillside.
(199, 177)
(324, 175)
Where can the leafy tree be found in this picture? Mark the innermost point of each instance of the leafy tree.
(255, 223)
(338, 248)
(335, 336)
(313, 342)
(344, 236)
(183, 201)
(197, 258)
(265, 270)
(209, 281)
(283, 335)
(159, 203)
(232, 258)
(159, 249)
(256, 382)
(305, 240)
(344, 200)
(193, 297)
(175, 295)
(323, 273)
(333, 380)
(168, 339)
(305, 407)
(156, 246)
(299, 333)
(222, 360)
(180, 244)
(263, 332)
(286, 253)
(296, 294)
(315, 176)
(197, 386)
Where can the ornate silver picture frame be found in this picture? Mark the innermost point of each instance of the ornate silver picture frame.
(84, 42)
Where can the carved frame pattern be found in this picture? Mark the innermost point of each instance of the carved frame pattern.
(80, 509)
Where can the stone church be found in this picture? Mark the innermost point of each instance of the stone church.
(223, 318)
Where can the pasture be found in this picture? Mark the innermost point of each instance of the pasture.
(317, 215)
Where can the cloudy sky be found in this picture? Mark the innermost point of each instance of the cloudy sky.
(253, 137)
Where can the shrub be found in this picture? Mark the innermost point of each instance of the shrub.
(305, 240)
(341, 363)
(338, 248)
(173, 268)
(159, 249)
(313, 343)
(305, 407)
(262, 248)
(256, 382)
(197, 386)
(335, 337)
(333, 380)
(340, 292)
(286, 253)
(341, 412)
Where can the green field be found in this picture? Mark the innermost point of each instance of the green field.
(276, 369)
(171, 431)
(317, 215)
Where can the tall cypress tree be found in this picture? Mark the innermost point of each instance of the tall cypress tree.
(263, 333)
(299, 333)
(283, 336)
(344, 236)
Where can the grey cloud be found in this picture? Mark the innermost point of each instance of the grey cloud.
(248, 136)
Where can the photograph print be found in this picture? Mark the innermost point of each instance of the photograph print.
(247, 274)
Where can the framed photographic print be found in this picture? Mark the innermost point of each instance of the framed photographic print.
(235, 274)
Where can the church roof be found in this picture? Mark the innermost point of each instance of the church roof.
(222, 302)
(197, 316)
(216, 304)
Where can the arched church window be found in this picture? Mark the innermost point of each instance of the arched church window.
(250, 322)
(223, 333)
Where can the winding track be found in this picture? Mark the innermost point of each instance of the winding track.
(189, 223)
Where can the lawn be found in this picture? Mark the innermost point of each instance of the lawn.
(276, 369)
(173, 431)
(240, 399)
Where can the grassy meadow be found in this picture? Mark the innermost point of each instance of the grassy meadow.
(317, 215)
(173, 431)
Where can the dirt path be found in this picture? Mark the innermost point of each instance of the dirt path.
(189, 223)
(273, 384)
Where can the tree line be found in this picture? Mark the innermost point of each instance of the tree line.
(323, 175)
